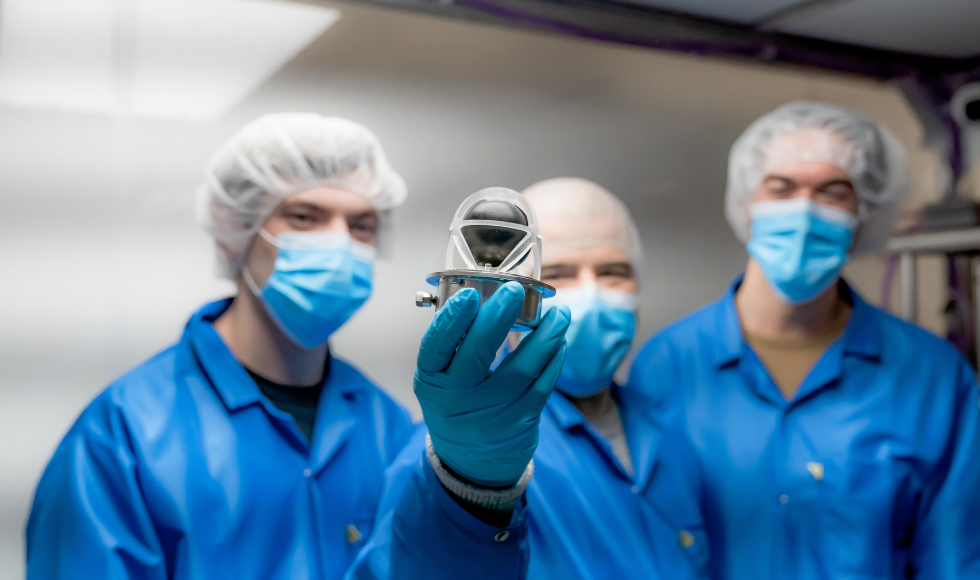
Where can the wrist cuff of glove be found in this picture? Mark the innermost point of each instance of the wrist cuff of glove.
(503, 500)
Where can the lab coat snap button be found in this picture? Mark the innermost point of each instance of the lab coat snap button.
(686, 538)
(353, 534)
(501, 536)
(635, 489)
(307, 472)
(815, 469)
(784, 499)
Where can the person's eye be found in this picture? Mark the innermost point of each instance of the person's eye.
(364, 228)
(615, 271)
(301, 220)
(840, 192)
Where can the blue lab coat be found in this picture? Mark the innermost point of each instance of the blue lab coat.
(871, 471)
(182, 469)
(584, 517)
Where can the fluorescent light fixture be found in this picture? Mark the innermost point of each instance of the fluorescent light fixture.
(178, 59)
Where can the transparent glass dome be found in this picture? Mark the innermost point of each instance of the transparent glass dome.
(494, 230)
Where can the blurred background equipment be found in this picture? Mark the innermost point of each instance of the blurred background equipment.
(103, 258)
(928, 50)
(951, 229)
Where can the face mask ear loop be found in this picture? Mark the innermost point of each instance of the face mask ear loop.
(268, 237)
(854, 240)
(250, 282)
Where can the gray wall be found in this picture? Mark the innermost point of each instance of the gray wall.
(101, 267)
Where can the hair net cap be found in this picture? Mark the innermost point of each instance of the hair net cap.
(807, 131)
(575, 213)
(284, 153)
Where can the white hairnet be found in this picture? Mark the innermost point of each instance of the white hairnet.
(807, 131)
(575, 213)
(284, 153)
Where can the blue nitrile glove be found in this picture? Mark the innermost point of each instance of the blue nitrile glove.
(484, 425)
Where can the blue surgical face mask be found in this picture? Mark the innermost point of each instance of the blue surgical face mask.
(800, 246)
(320, 279)
(598, 337)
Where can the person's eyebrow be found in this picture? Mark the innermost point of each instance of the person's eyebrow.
(364, 215)
(299, 204)
(836, 181)
(559, 269)
(618, 269)
(785, 180)
(617, 265)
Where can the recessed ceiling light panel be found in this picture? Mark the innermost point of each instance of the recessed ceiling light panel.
(185, 59)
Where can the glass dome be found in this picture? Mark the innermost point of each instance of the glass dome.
(494, 230)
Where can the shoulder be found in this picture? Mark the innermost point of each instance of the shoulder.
(900, 337)
(665, 355)
(924, 381)
(354, 380)
(146, 389)
(687, 330)
(917, 355)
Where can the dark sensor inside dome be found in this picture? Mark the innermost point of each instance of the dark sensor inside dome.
(488, 244)
(973, 110)
(498, 211)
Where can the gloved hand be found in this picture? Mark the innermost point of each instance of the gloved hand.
(483, 424)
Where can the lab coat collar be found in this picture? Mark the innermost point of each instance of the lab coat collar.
(336, 413)
(228, 377)
(643, 431)
(642, 421)
(862, 336)
(726, 332)
(565, 413)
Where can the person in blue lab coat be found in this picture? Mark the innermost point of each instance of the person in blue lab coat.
(607, 498)
(246, 450)
(832, 439)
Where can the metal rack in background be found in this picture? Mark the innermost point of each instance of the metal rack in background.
(962, 244)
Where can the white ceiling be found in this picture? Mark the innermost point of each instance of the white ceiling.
(184, 59)
(934, 27)
(948, 28)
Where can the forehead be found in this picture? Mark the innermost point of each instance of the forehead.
(585, 256)
(579, 229)
(805, 145)
(809, 172)
(331, 199)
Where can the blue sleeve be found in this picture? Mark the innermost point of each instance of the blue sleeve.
(421, 532)
(89, 519)
(946, 544)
